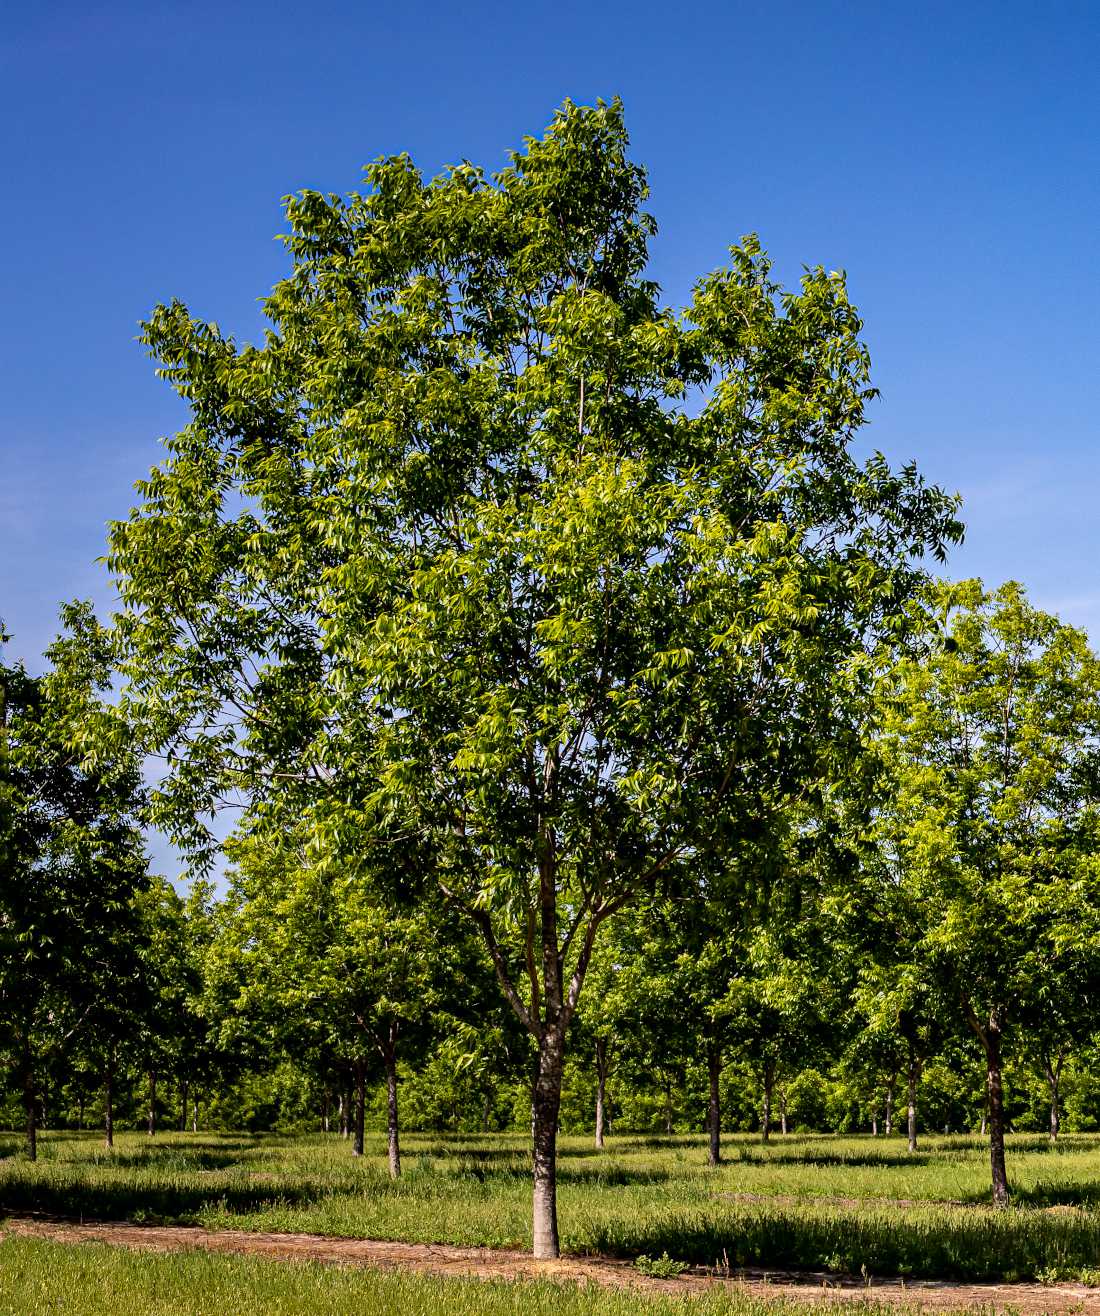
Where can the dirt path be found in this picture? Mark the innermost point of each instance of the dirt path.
(485, 1263)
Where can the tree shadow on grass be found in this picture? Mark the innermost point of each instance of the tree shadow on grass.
(1048, 1195)
(936, 1243)
(605, 1174)
(175, 1159)
(792, 1156)
(179, 1203)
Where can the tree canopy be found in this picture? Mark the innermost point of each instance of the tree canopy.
(487, 552)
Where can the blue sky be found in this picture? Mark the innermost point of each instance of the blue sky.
(946, 155)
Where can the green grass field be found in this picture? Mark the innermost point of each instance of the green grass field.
(93, 1280)
(841, 1204)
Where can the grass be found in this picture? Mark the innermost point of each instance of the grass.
(814, 1202)
(94, 1280)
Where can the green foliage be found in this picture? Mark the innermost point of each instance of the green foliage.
(73, 878)
(993, 828)
(496, 571)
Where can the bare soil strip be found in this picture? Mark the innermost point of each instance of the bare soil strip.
(485, 1263)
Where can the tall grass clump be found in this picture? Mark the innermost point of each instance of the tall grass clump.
(924, 1242)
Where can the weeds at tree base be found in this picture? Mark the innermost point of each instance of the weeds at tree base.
(662, 1267)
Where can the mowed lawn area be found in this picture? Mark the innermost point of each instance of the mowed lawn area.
(841, 1204)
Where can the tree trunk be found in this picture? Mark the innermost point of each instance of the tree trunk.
(324, 1110)
(486, 1109)
(30, 1107)
(545, 1104)
(1054, 1077)
(766, 1113)
(714, 1108)
(389, 1059)
(914, 1075)
(184, 1086)
(360, 1107)
(783, 1109)
(601, 1090)
(195, 1116)
(874, 1124)
(889, 1127)
(994, 1087)
(342, 1114)
(152, 1103)
(984, 1124)
(989, 1034)
(109, 1103)
(668, 1107)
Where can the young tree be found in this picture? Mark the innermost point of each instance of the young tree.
(991, 831)
(334, 961)
(71, 862)
(486, 547)
(171, 979)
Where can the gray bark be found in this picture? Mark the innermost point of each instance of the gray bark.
(714, 1108)
(1053, 1068)
(30, 1108)
(109, 1104)
(766, 1113)
(911, 1122)
(545, 1105)
(360, 1104)
(389, 1058)
(601, 1091)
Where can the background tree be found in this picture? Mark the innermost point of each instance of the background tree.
(992, 827)
(71, 861)
(336, 961)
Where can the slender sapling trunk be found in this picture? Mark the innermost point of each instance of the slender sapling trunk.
(109, 1103)
(360, 1107)
(1053, 1069)
(30, 1108)
(766, 1113)
(601, 1090)
(389, 1059)
(714, 1108)
(914, 1076)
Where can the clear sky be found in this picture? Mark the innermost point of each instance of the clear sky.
(947, 155)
